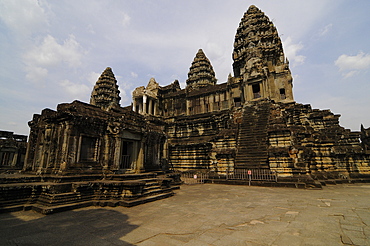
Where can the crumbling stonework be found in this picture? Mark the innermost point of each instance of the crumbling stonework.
(105, 93)
(90, 154)
(12, 151)
(201, 72)
(248, 122)
(251, 121)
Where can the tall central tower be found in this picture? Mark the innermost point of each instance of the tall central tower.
(259, 61)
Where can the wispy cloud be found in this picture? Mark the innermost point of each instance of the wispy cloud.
(50, 53)
(93, 77)
(75, 90)
(24, 17)
(325, 30)
(125, 19)
(134, 75)
(291, 51)
(351, 65)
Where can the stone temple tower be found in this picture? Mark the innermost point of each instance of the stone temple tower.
(259, 61)
(105, 93)
(201, 72)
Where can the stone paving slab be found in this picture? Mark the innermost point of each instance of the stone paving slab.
(208, 214)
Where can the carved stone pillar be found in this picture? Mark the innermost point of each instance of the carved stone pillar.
(134, 104)
(144, 104)
(140, 158)
(155, 107)
(150, 110)
(187, 107)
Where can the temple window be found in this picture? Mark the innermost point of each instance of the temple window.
(237, 101)
(88, 148)
(256, 91)
(282, 94)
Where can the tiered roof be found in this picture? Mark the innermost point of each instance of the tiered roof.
(105, 93)
(256, 37)
(201, 72)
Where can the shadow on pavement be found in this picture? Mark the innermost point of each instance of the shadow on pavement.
(83, 227)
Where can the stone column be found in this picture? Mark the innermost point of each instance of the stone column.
(211, 100)
(140, 108)
(106, 152)
(155, 107)
(134, 104)
(187, 107)
(140, 158)
(202, 104)
(117, 153)
(144, 104)
(150, 110)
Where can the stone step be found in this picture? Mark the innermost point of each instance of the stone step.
(14, 202)
(58, 208)
(67, 199)
(146, 199)
(156, 191)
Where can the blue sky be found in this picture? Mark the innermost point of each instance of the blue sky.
(53, 51)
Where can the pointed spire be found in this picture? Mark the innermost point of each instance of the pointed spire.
(256, 37)
(105, 93)
(201, 72)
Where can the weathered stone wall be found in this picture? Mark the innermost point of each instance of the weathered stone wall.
(199, 142)
(12, 151)
(80, 138)
(304, 140)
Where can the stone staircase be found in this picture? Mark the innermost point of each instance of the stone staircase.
(252, 139)
(119, 190)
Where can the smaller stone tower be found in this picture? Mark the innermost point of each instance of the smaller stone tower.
(201, 72)
(105, 93)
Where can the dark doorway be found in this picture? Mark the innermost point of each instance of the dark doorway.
(126, 155)
(88, 149)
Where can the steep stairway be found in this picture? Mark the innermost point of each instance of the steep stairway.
(253, 137)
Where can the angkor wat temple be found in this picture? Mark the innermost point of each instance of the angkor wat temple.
(249, 122)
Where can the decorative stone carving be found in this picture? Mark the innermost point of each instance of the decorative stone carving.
(105, 93)
(259, 58)
(201, 72)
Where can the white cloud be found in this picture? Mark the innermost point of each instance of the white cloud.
(134, 75)
(93, 77)
(75, 90)
(213, 51)
(351, 65)
(125, 19)
(90, 29)
(291, 51)
(350, 74)
(36, 74)
(49, 54)
(23, 17)
(325, 30)
(357, 62)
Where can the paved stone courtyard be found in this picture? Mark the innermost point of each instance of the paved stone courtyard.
(208, 214)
